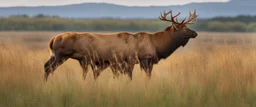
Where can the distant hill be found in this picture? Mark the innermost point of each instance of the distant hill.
(103, 10)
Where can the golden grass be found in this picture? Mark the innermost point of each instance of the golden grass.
(200, 75)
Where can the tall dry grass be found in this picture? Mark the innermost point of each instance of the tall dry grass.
(205, 75)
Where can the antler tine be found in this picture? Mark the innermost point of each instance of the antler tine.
(191, 18)
(163, 16)
(177, 20)
(177, 15)
(183, 20)
(173, 18)
(169, 12)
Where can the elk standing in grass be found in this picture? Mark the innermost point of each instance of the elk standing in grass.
(120, 51)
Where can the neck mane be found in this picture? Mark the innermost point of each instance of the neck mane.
(166, 42)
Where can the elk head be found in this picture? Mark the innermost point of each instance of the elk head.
(180, 29)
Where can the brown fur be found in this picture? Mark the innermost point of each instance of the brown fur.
(120, 51)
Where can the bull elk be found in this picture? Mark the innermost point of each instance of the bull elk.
(120, 51)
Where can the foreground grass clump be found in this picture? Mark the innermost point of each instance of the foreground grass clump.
(223, 76)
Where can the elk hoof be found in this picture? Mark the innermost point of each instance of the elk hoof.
(46, 75)
(96, 75)
(148, 75)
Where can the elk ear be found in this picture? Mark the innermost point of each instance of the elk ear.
(173, 27)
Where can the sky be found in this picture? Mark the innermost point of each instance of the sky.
(7, 3)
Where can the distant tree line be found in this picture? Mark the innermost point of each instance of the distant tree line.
(228, 24)
(42, 22)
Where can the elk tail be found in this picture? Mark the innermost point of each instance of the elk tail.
(50, 45)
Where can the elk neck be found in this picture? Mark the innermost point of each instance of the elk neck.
(166, 42)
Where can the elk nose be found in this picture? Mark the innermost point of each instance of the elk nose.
(195, 35)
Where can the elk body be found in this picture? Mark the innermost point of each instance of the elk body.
(120, 51)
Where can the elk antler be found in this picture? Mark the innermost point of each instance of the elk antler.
(164, 15)
(192, 18)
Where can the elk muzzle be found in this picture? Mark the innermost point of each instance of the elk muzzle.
(195, 35)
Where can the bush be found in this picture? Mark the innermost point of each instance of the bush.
(251, 27)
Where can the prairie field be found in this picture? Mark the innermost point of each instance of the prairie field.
(213, 70)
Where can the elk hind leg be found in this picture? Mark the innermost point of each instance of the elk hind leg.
(52, 64)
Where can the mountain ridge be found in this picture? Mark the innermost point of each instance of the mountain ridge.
(108, 10)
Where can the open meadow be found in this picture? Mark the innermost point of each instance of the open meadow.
(213, 70)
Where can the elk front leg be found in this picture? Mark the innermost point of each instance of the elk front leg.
(84, 64)
(147, 66)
